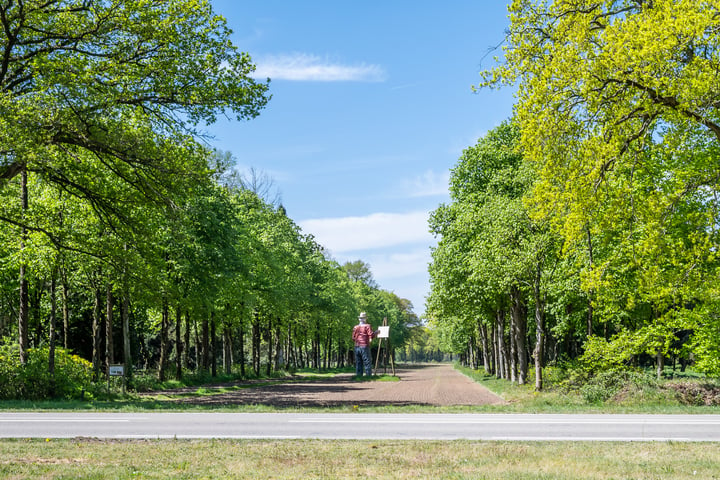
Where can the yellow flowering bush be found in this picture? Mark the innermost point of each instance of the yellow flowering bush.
(33, 381)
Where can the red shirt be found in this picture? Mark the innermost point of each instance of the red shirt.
(362, 335)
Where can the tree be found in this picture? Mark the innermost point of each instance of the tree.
(619, 112)
(127, 81)
(360, 271)
(493, 251)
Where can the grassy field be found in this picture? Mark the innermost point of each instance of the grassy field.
(223, 459)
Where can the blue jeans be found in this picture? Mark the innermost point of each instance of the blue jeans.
(363, 361)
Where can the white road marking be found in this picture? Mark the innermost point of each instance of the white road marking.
(514, 421)
(66, 420)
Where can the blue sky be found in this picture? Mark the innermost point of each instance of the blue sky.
(372, 106)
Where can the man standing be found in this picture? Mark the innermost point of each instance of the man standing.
(362, 336)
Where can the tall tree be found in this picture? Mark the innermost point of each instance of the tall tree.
(126, 81)
(619, 111)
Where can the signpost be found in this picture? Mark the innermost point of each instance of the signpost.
(116, 371)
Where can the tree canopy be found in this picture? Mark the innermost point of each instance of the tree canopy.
(617, 106)
(113, 87)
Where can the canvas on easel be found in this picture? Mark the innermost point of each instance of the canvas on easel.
(384, 337)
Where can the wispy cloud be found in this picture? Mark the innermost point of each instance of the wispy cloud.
(303, 67)
(409, 262)
(395, 245)
(378, 230)
(429, 184)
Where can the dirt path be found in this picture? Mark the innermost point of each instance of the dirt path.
(439, 385)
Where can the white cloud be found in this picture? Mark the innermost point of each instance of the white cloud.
(429, 184)
(377, 230)
(304, 67)
(408, 263)
(403, 271)
(395, 245)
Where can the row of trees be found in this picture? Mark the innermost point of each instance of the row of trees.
(589, 224)
(125, 238)
(224, 266)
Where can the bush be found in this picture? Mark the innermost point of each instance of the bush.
(618, 385)
(73, 375)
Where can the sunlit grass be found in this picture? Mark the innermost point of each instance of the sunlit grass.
(524, 399)
(220, 459)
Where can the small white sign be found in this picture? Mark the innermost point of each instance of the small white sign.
(117, 370)
(384, 331)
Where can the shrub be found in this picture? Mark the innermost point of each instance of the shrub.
(73, 375)
(617, 385)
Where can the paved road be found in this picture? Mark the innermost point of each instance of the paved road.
(362, 426)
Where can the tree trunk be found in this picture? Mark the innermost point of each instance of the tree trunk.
(539, 331)
(24, 312)
(513, 340)
(502, 364)
(205, 345)
(241, 340)
(198, 347)
(213, 345)
(127, 354)
(66, 308)
(109, 304)
(519, 314)
(279, 350)
(256, 343)
(227, 348)
(97, 333)
(328, 350)
(270, 346)
(125, 314)
(292, 355)
(179, 346)
(590, 293)
(482, 330)
(51, 340)
(186, 344)
(164, 340)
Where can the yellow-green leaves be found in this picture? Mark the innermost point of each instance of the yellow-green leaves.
(619, 110)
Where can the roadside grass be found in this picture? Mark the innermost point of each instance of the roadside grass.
(169, 396)
(290, 459)
(648, 397)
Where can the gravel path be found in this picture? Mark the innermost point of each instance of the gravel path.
(439, 385)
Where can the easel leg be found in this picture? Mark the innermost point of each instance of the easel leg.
(377, 357)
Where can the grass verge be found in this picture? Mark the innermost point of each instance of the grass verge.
(650, 399)
(290, 459)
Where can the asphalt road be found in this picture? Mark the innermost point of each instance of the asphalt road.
(525, 427)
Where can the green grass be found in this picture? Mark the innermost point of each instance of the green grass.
(524, 398)
(519, 398)
(291, 459)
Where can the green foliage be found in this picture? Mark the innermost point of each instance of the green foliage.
(624, 147)
(601, 355)
(609, 384)
(72, 379)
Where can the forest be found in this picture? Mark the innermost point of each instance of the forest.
(125, 239)
(583, 232)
